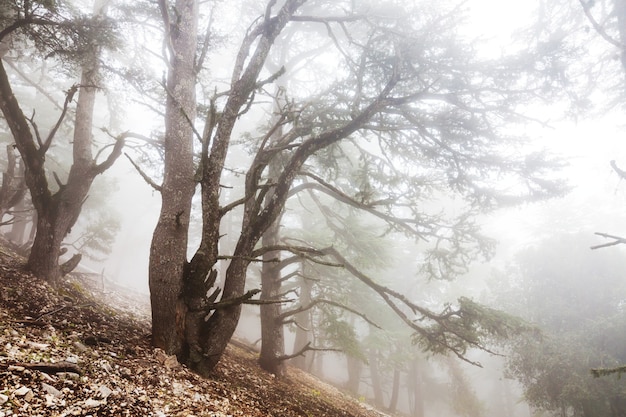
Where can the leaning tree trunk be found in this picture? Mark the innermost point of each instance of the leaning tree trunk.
(168, 251)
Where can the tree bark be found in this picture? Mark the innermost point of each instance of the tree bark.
(168, 250)
(272, 331)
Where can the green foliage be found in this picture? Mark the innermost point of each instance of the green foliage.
(469, 325)
(56, 29)
(338, 333)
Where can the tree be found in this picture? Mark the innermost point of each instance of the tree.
(420, 108)
(79, 40)
(576, 302)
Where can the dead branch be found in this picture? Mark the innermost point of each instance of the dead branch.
(233, 301)
(145, 176)
(307, 348)
(50, 368)
(69, 96)
(617, 240)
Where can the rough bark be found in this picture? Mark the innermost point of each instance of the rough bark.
(168, 251)
(206, 340)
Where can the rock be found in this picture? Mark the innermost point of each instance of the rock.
(3, 398)
(80, 347)
(51, 390)
(72, 359)
(29, 396)
(21, 391)
(171, 362)
(91, 403)
(103, 391)
(38, 346)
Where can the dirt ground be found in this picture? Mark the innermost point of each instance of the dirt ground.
(84, 350)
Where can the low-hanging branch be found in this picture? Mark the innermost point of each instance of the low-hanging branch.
(306, 348)
(448, 321)
(281, 317)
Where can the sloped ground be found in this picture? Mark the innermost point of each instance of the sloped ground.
(65, 353)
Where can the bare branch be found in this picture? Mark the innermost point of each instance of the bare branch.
(68, 99)
(313, 303)
(307, 348)
(598, 28)
(145, 176)
(617, 240)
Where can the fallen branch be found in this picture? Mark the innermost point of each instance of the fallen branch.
(50, 368)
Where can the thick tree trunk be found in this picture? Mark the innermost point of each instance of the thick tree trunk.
(168, 251)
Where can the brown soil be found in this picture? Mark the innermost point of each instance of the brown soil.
(65, 352)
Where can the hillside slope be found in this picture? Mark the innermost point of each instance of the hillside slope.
(65, 352)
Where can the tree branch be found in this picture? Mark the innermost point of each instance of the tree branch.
(145, 176)
(617, 240)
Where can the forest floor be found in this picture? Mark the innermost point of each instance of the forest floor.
(80, 350)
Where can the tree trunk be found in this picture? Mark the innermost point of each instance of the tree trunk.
(168, 250)
(17, 234)
(355, 367)
(304, 327)
(415, 390)
(395, 391)
(376, 379)
(57, 213)
(272, 331)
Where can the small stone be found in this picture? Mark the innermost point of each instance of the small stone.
(91, 403)
(29, 396)
(38, 346)
(3, 398)
(21, 391)
(171, 362)
(104, 391)
(68, 375)
(15, 368)
(51, 390)
(72, 359)
(80, 347)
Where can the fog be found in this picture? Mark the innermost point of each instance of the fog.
(562, 301)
